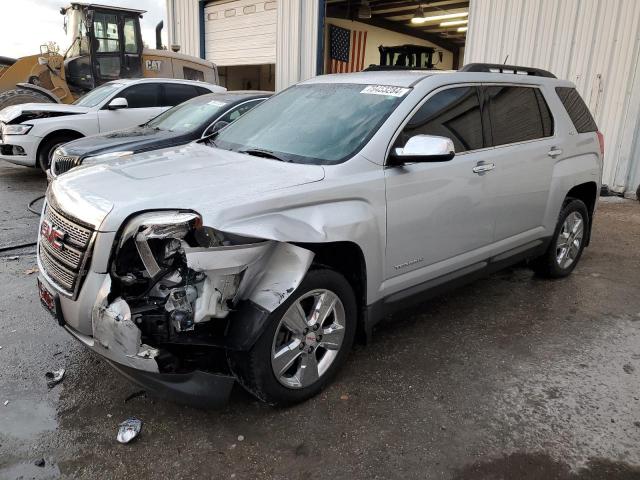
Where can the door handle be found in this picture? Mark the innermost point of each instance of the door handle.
(483, 168)
(554, 152)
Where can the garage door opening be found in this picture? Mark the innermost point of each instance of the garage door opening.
(248, 77)
(394, 34)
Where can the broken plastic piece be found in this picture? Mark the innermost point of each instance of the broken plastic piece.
(6, 402)
(129, 429)
(54, 378)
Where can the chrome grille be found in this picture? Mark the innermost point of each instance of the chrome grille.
(63, 163)
(64, 257)
(78, 234)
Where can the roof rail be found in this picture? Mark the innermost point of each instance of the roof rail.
(498, 68)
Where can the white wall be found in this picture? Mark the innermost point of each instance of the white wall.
(183, 25)
(594, 43)
(379, 36)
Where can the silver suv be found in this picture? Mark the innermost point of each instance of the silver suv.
(260, 254)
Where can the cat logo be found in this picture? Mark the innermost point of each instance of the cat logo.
(153, 65)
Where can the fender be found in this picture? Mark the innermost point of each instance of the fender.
(43, 91)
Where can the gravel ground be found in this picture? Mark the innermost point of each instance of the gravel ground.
(511, 377)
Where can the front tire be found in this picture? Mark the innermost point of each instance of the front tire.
(49, 146)
(306, 342)
(567, 243)
(18, 96)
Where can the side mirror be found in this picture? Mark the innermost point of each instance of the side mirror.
(118, 103)
(424, 148)
(216, 127)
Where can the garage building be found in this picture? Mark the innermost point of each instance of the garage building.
(271, 44)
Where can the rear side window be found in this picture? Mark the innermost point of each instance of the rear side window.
(176, 93)
(453, 113)
(143, 95)
(518, 114)
(577, 109)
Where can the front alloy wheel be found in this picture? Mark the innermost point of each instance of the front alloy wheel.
(308, 339)
(304, 344)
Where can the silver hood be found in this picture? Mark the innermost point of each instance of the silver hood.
(192, 177)
(39, 110)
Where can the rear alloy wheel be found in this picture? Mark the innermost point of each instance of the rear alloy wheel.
(567, 243)
(306, 341)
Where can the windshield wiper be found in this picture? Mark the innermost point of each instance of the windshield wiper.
(259, 152)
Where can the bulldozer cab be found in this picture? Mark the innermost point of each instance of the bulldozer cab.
(105, 44)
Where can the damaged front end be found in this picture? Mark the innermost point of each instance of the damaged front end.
(179, 295)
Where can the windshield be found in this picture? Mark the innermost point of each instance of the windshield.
(189, 115)
(320, 124)
(97, 95)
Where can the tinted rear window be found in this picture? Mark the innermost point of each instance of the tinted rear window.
(518, 114)
(577, 109)
(176, 93)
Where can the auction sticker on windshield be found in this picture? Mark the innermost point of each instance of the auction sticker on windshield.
(385, 90)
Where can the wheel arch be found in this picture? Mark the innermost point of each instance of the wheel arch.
(588, 193)
(346, 258)
(58, 133)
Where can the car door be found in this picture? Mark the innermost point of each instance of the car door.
(521, 129)
(144, 103)
(439, 217)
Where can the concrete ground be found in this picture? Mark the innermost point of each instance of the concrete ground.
(511, 377)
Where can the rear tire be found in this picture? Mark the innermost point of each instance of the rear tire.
(287, 366)
(21, 95)
(567, 243)
(49, 146)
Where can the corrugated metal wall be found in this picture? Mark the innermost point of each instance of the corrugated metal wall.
(594, 43)
(297, 41)
(183, 23)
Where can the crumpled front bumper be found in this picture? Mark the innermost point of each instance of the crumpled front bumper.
(197, 388)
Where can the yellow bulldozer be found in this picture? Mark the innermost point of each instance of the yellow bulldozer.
(105, 43)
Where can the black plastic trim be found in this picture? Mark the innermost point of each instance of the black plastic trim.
(512, 69)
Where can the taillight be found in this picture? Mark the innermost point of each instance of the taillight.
(601, 142)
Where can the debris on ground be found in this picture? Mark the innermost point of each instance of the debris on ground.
(31, 271)
(344, 397)
(240, 438)
(129, 429)
(628, 368)
(6, 402)
(54, 378)
(39, 463)
(140, 393)
(12, 259)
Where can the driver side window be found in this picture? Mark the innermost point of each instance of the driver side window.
(453, 113)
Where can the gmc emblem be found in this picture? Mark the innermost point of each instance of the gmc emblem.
(52, 235)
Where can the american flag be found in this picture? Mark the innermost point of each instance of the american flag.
(346, 50)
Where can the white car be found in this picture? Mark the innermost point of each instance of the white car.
(30, 132)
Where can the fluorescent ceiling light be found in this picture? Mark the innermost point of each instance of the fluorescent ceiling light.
(419, 17)
(462, 29)
(444, 16)
(453, 23)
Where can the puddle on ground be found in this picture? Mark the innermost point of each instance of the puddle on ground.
(30, 471)
(26, 419)
(535, 466)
